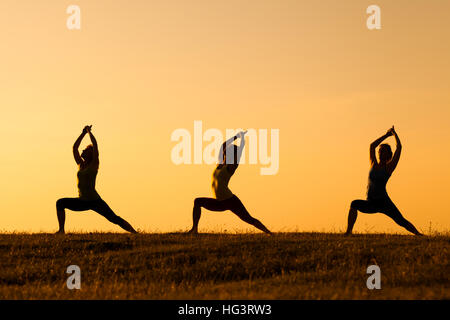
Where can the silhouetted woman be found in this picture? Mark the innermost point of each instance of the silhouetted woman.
(225, 199)
(377, 197)
(88, 198)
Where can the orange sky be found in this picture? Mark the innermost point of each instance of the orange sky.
(139, 70)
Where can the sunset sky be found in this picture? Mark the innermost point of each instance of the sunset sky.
(138, 70)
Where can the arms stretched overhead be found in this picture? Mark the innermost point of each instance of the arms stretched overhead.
(392, 163)
(231, 156)
(228, 143)
(94, 144)
(76, 154)
(76, 145)
(375, 144)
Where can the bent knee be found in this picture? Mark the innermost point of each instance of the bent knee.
(354, 204)
(60, 205)
(198, 202)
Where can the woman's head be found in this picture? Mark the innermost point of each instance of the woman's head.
(88, 153)
(385, 153)
(231, 150)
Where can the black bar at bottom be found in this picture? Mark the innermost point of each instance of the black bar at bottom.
(223, 309)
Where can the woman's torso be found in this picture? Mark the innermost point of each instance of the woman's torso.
(221, 178)
(378, 178)
(86, 183)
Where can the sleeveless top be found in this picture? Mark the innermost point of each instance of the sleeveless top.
(378, 178)
(86, 183)
(221, 177)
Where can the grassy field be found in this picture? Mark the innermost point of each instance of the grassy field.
(223, 266)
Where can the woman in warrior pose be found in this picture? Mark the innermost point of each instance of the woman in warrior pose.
(224, 198)
(88, 199)
(377, 197)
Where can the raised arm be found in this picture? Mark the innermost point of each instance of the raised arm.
(224, 147)
(76, 145)
(398, 150)
(241, 146)
(94, 144)
(375, 144)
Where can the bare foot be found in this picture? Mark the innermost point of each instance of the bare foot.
(60, 232)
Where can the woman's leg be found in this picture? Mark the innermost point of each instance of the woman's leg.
(352, 215)
(239, 209)
(209, 204)
(101, 207)
(74, 204)
(364, 206)
(395, 214)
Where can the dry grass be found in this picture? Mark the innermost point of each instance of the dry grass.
(223, 266)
